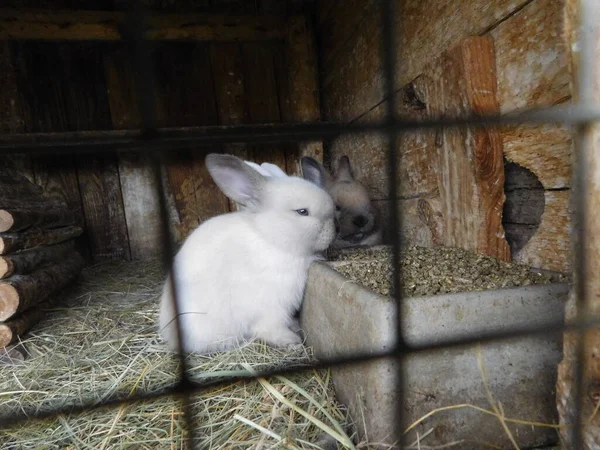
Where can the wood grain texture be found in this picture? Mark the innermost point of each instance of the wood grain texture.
(138, 183)
(15, 242)
(104, 26)
(299, 98)
(193, 193)
(262, 100)
(11, 113)
(50, 216)
(471, 164)
(544, 149)
(337, 22)
(21, 292)
(228, 72)
(103, 207)
(450, 181)
(44, 106)
(353, 81)
(17, 327)
(550, 248)
(87, 108)
(531, 57)
(587, 282)
(27, 261)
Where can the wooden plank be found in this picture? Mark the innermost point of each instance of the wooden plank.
(15, 242)
(353, 80)
(87, 108)
(21, 292)
(299, 89)
(105, 25)
(194, 194)
(338, 21)
(28, 261)
(471, 181)
(103, 207)
(546, 150)
(582, 349)
(262, 101)
(44, 108)
(138, 184)
(11, 113)
(209, 199)
(531, 57)
(550, 246)
(228, 72)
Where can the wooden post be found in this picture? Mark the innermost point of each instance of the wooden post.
(21, 292)
(586, 63)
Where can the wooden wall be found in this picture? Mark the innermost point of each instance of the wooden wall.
(528, 62)
(74, 86)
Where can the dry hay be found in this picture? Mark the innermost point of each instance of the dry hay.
(102, 343)
(433, 271)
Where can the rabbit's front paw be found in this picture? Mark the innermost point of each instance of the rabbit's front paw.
(281, 337)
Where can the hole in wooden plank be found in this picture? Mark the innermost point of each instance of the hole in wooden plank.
(523, 207)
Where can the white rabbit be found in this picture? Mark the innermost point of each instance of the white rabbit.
(241, 276)
(267, 169)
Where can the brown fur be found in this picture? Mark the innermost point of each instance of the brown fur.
(357, 216)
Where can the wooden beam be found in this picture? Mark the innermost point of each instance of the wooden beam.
(138, 184)
(107, 25)
(579, 30)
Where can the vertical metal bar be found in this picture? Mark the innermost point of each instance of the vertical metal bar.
(389, 52)
(144, 87)
(587, 71)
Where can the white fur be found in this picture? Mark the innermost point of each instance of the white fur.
(241, 275)
(267, 169)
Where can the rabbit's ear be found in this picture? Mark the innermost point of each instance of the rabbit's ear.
(238, 181)
(344, 171)
(313, 171)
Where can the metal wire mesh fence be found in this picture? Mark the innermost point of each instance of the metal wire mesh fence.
(158, 142)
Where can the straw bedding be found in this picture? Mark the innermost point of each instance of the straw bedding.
(102, 343)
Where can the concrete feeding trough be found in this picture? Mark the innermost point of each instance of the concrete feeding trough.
(343, 318)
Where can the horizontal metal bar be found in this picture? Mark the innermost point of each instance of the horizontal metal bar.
(65, 25)
(553, 329)
(177, 138)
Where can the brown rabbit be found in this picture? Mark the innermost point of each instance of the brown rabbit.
(358, 219)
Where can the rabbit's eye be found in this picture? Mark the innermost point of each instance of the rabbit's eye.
(338, 208)
(302, 212)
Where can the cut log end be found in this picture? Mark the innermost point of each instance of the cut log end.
(6, 220)
(6, 267)
(9, 301)
(6, 335)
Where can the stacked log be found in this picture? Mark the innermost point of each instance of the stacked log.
(38, 257)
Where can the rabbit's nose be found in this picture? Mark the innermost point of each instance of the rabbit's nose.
(360, 221)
